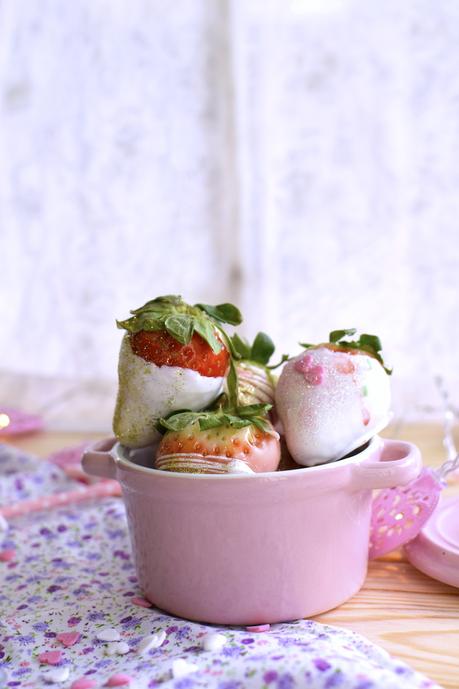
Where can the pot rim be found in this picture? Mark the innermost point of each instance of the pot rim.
(119, 452)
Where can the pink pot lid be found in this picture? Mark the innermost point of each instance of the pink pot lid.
(435, 551)
(17, 422)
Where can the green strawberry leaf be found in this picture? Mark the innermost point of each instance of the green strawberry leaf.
(210, 421)
(371, 341)
(180, 327)
(370, 344)
(251, 410)
(178, 420)
(142, 322)
(263, 425)
(336, 335)
(225, 313)
(206, 329)
(262, 348)
(259, 353)
(181, 320)
(250, 415)
(160, 303)
(241, 346)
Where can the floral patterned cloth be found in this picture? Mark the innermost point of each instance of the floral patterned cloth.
(73, 572)
(23, 477)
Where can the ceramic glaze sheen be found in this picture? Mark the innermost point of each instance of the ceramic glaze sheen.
(244, 550)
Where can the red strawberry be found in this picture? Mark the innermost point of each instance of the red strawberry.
(160, 348)
(173, 356)
(170, 315)
(218, 443)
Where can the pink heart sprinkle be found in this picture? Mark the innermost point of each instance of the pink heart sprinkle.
(83, 683)
(259, 628)
(7, 555)
(118, 680)
(141, 602)
(50, 657)
(313, 375)
(68, 638)
(304, 364)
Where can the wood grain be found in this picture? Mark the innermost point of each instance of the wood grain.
(413, 617)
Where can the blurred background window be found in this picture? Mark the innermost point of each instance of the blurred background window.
(296, 157)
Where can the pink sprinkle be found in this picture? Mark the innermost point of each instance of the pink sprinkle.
(83, 683)
(259, 628)
(50, 657)
(344, 364)
(118, 680)
(69, 638)
(313, 375)
(141, 602)
(304, 364)
(7, 555)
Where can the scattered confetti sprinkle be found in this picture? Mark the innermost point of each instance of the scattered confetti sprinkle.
(50, 657)
(259, 628)
(122, 648)
(84, 683)
(152, 641)
(7, 555)
(57, 675)
(118, 680)
(141, 602)
(108, 634)
(68, 638)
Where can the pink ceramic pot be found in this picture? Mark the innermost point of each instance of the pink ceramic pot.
(238, 549)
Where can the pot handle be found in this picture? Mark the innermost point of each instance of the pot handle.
(400, 462)
(98, 460)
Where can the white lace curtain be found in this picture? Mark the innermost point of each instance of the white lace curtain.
(297, 157)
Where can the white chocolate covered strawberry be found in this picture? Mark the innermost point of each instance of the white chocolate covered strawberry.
(256, 382)
(172, 357)
(333, 398)
(219, 442)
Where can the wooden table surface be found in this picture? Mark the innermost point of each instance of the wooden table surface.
(410, 615)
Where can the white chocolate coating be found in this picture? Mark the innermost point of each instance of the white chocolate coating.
(330, 403)
(148, 392)
(238, 466)
(256, 384)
